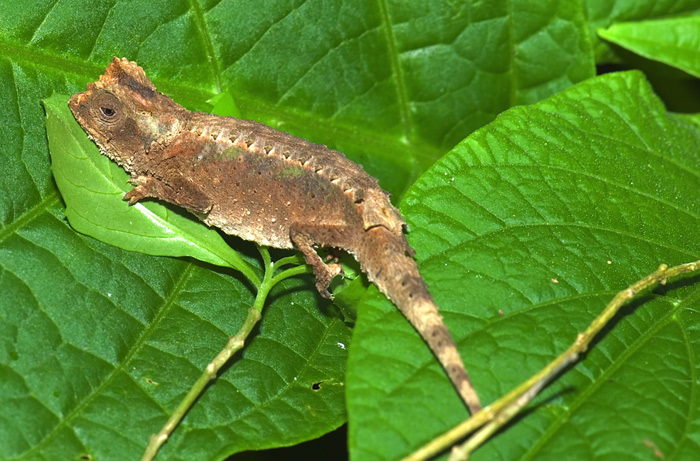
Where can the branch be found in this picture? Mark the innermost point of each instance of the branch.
(496, 415)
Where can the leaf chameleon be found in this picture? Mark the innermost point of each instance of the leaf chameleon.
(264, 185)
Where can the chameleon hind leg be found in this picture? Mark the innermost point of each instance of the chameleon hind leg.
(305, 238)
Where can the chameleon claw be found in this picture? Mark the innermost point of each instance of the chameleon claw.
(134, 195)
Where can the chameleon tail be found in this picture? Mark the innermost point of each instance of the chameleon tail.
(388, 261)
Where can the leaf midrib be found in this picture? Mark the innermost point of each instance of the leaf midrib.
(396, 69)
(424, 153)
(30, 215)
(201, 23)
(119, 368)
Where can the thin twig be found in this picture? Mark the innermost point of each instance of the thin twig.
(494, 416)
(234, 344)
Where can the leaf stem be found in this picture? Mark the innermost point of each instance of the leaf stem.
(296, 259)
(234, 344)
(298, 270)
(242, 267)
(267, 263)
(494, 416)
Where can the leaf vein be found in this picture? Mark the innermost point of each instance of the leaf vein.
(76, 411)
(201, 22)
(392, 51)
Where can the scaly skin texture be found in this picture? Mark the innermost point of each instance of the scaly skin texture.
(263, 185)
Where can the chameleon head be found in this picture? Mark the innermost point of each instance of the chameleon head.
(124, 114)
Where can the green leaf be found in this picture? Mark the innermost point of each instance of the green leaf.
(98, 344)
(90, 185)
(690, 118)
(524, 232)
(604, 13)
(413, 79)
(675, 42)
(224, 104)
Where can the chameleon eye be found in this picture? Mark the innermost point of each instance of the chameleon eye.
(107, 108)
(108, 112)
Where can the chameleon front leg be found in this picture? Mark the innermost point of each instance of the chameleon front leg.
(175, 190)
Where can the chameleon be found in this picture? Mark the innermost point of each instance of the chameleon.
(264, 185)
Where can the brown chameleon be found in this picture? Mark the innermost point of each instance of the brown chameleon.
(261, 184)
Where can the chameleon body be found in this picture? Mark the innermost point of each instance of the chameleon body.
(263, 185)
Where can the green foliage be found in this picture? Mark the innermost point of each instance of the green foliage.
(526, 230)
(603, 13)
(672, 41)
(523, 231)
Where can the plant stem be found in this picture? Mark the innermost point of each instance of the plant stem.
(291, 272)
(494, 416)
(234, 344)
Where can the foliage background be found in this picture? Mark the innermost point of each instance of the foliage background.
(98, 344)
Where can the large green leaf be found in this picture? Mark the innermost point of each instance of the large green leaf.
(525, 231)
(99, 344)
